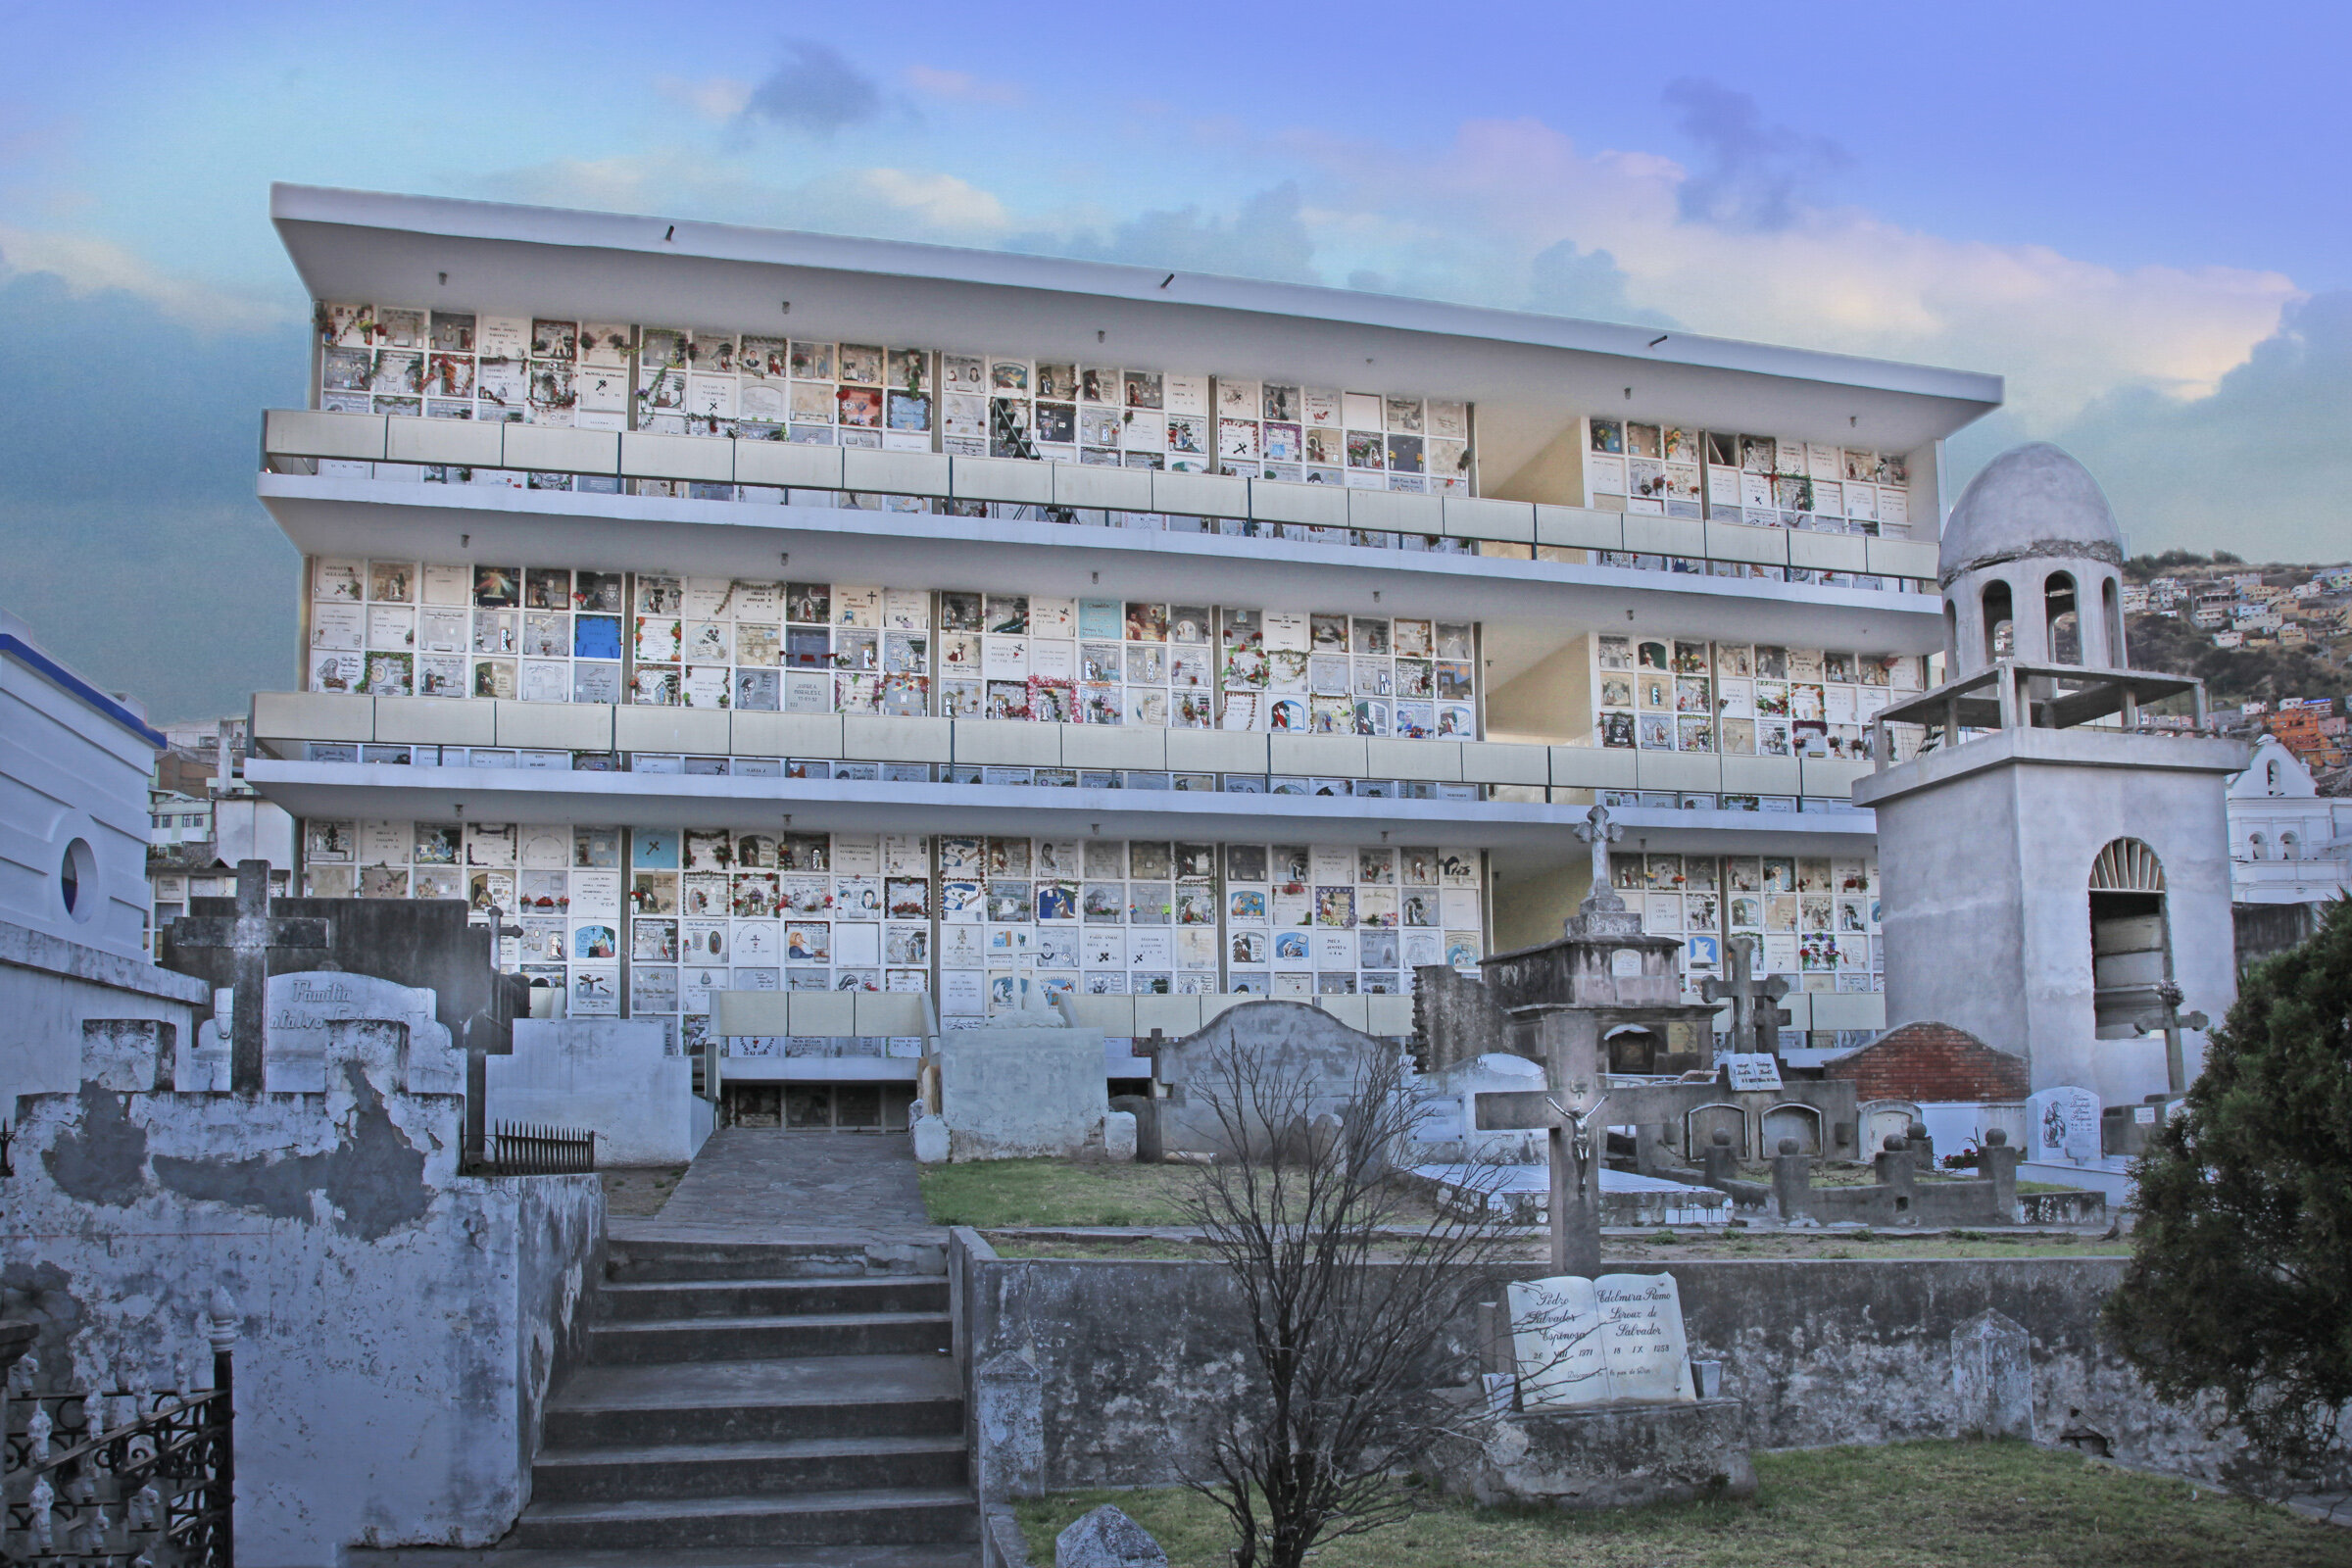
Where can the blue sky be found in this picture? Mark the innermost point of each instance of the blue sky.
(2121, 210)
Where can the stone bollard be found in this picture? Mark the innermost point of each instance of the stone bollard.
(1793, 1181)
(1894, 1170)
(1999, 1162)
(931, 1143)
(1718, 1163)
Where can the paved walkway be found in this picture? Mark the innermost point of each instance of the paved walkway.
(764, 1184)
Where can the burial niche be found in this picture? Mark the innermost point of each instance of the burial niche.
(1633, 1049)
(2130, 949)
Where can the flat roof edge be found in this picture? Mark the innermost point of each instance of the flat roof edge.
(691, 239)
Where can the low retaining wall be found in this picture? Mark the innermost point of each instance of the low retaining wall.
(1086, 1373)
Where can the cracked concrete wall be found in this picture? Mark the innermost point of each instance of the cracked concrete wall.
(401, 1324)
(1134, 1362)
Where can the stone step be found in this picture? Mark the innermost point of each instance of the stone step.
(747, 1469)
(659, 1404)
(770, 1298)
(870, 1517)
(908, 1554)
(744, 1339)
(630, 1260)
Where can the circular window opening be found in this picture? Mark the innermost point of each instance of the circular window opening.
(77, 880)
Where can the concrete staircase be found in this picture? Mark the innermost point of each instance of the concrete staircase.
(762, 1401)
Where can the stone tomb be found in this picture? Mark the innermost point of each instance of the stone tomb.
(1026, 1086)
(321, 1015)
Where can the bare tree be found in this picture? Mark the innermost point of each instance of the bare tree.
(1352, 1284)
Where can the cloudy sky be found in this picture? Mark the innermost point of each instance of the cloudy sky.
(2122, 210)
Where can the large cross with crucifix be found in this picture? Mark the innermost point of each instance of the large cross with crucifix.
(1756, 1018)
(250, 935)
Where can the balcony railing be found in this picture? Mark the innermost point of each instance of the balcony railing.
(1820, 551)
(566, 737)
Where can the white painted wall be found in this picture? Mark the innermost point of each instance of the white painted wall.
(70, 771)
(1985, 857)
(603, 1075)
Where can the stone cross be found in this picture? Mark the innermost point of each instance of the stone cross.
(1755, 1019)
(251, 935)
(2171, 1021)
(1600, 832)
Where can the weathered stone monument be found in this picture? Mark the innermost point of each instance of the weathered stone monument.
(1565, 996)
(1025, 1085)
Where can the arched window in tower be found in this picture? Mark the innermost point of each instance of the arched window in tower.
(2111, 604)
(2257, 846)
(2000, 629)
(1951, 632)
(2130, 951)
(2290, 846)
(2060, 618)
(2270, 773)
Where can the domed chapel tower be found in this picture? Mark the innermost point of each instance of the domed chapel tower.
(2045, 869)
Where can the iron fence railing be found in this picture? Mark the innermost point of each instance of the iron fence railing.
(128, 1478)
(531, 1148)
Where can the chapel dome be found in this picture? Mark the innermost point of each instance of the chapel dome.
(2032, 500)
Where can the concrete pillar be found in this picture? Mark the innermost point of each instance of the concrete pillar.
(1793, 1181)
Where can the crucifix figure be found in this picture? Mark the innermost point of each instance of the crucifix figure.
(250, 935)
(1568, 1113)
(1755, 1018)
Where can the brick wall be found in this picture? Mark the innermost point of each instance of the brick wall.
(1924, 1063)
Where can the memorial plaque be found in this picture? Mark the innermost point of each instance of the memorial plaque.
(1590, 1341)
(1751, 1071)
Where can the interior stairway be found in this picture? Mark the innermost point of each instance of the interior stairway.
(752, 1404)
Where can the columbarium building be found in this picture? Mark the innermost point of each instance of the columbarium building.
(721, 608)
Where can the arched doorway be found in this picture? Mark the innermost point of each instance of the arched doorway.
(2130, 953)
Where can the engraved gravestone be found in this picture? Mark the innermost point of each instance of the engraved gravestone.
(1590, 1341)
(2062, 1123)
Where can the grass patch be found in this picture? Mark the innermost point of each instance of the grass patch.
(1909, 1505)
(986, 1193)
(639, 1190)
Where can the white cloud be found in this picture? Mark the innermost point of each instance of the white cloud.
(89, 264)
(942, 200)
(1468, 219)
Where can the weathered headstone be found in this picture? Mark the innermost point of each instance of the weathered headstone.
(1992, 1377)
(248, 937)
(1106, 1538)
(1590, 1341)
(315, 1015)
(2062, 1123)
